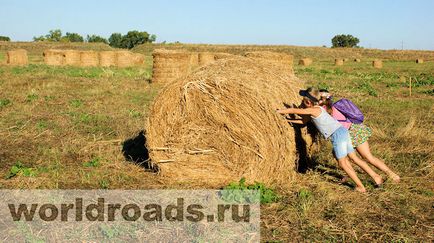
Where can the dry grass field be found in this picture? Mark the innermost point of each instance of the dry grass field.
(65, 127)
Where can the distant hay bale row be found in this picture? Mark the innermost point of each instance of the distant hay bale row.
(17, 57)
(92, 58)
(305, 62)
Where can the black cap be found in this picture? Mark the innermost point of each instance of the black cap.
(306, 93)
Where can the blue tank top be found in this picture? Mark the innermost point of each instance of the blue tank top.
(325, 123)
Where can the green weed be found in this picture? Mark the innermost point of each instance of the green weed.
(19, 169)
(95, 162)
(4, 102)
(237, 192)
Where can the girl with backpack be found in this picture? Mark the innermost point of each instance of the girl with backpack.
(350, 116)
(329, 128)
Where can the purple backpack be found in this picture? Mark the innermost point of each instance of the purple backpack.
(349, 110)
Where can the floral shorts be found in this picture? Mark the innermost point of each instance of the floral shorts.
(359, 134)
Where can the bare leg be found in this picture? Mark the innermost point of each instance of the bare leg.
(362, 164)
(344, 163)
(365, 152)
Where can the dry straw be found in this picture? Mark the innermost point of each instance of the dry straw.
(71, 57)
(170, 65)
(107, 58)
(219, 124)
(89, 59)
(138, 59)
(17, 57)
(206, 58)
(339, 62)
(125, 59)
(194, 61)
(53, 57)
(305, 62)
(377, 63)
(357, 60)
(419, 60)
(223, 55)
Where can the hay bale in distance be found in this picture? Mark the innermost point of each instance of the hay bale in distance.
(219, 124)
(305, 62)
(125, 59)
(170, 65)
(206, 58)
(89, 59)
(356, 60)
(17, 57)
(419, 60)
(339, 62)
(377, 63)
(53, 57)
(345, 59)
(107, 58)
(71, 57)
(138, 59)
(222, 55)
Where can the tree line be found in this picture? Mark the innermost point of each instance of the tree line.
(128, 41)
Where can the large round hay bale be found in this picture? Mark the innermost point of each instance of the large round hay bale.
(53, 57)
(71, 57)
(339, 62)
(419, 60)
(89, 59)
(305, 62)
(169, 65)
(219, 124)
(377, 63)
(206, 58)
(107, 58)
(17, 57)
(357, 60)
(285, 60)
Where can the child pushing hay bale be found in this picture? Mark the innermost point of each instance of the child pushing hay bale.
(377, 63)
(53, 57)
(89, 59)
(71, 58)
(219, 124)
(170, 65)
(17, 57)
(305, 62)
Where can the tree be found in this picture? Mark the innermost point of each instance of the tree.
(4, 38)
(131, 39)
(73, 37)
(115, 40)
(54, 35)
(96, 38)
(345, 41)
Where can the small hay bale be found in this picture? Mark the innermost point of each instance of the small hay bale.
(170, 65)
(206, 58)
(305, 62)
(17, 57)
(219, 124)
(339, 62)
(138, 59)
(419, 60)
(125, 59)
(377, 63)
(71, 57)
(345, 59)
(54, 57)
(356, 60)
(285, 60)
(89, 59)
(107, 58)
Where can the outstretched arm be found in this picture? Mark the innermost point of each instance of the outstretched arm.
(314, 111)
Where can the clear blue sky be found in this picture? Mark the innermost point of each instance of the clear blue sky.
(377, 23)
